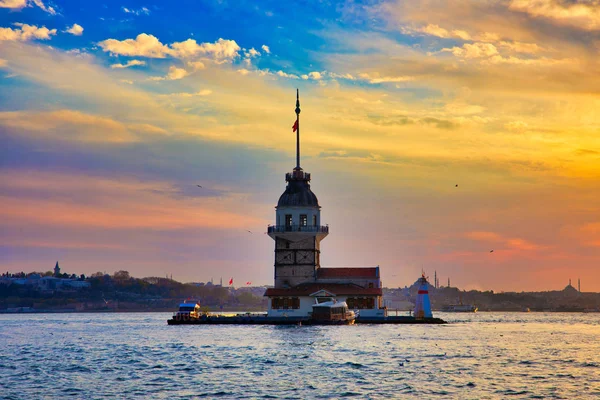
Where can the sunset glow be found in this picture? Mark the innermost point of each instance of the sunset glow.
(435, 131)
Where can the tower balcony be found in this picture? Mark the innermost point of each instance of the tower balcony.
(298, 228)
(297, 175)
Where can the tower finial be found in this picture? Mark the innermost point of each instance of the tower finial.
(297, 125)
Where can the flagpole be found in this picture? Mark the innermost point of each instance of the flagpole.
(297, 129)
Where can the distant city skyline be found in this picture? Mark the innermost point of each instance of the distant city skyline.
(234, 283)
(154, 137)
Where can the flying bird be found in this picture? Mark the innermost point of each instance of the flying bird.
(248, 231)
(199, 186)
(455, 185)
(491, 251)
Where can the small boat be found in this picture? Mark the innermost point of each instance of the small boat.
(460, 308)
(188, 311)
(332, 313)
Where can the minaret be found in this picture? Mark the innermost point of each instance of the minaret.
(56, 270)
(297, 231)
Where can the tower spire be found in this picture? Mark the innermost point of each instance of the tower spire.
(297, 129)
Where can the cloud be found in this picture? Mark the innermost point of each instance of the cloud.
(267, 72)
(587, 152)
(341, 76)
(500, 240)
(286, 75)
(440, 123)
(582, 14)
(26, 32)
(41, 5)
(489, 53)
(141, 11)
(313, 75)
(13, 4)
(436, 30)
(375, 78)
(475, 50)
(176, 73)
(485, 37)
(67, 125)
(252, 53)
(220, 50)
(76, 30)
(196, 65)
(131, 63)
(516, 126)
(19, 4)
(541, 61)
(173, 74)
(266, 49)
(333, 153)
(203, 92)
(126, 203)
(145, 45)
(520, 47)
(3, 62)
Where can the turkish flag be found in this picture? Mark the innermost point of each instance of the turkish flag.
(295, 127)
(231, 282)
(248, 283)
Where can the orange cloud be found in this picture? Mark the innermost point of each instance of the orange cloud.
(80, 201)
(584, 15)
(26, 32)
(75, 125)
(509, 243)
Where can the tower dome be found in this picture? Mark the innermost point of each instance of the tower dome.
(297, 192)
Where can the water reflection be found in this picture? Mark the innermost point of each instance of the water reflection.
(483, 355)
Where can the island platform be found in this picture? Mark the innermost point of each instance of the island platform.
(260, 319)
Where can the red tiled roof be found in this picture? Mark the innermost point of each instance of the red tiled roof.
(307, 289)
(370, 272)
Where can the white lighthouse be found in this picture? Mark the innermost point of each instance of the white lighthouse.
(423, 304)
(297, 231)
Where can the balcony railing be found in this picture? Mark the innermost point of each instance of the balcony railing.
(298, 228)
(297, 175)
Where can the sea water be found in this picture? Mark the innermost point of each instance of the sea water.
(137, 355)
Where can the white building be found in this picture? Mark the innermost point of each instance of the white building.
(299, 279)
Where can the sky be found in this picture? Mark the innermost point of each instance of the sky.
(435, 131)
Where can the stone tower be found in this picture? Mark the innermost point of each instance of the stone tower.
(297, 231)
